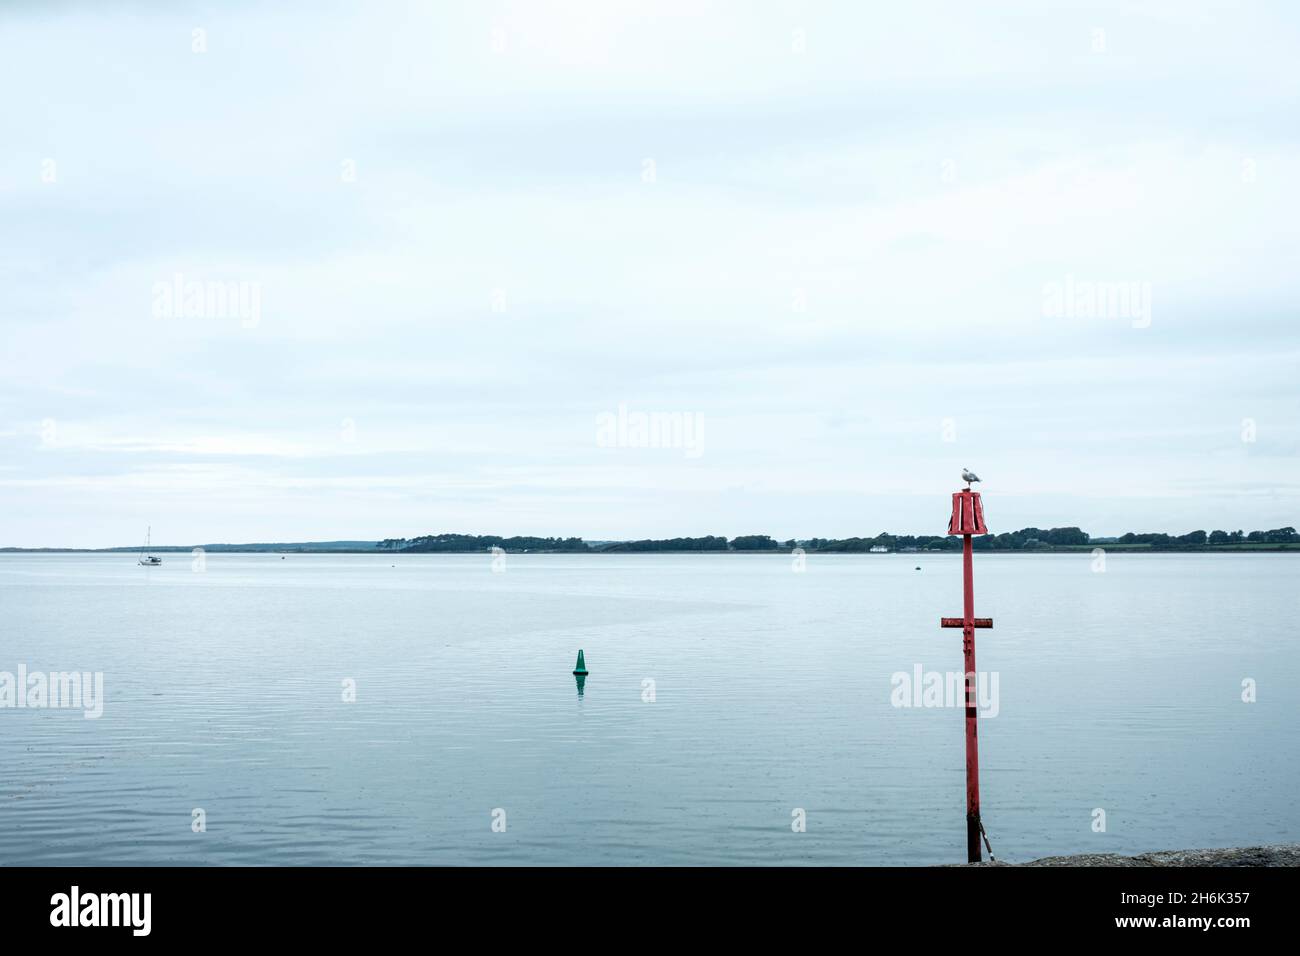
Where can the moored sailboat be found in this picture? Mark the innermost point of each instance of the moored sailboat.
(148, 560)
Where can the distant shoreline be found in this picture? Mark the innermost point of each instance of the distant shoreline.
(1050, 549)
(1066, 540)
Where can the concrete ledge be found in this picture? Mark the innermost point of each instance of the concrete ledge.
(1285, 854)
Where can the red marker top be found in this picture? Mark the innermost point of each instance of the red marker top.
(967, 513)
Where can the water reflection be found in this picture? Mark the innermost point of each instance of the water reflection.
(469, 720)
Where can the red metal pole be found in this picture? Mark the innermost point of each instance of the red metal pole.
(972, 739)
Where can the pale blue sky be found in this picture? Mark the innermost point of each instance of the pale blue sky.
(840, 262)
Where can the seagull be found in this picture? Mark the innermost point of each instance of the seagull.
(968, 476)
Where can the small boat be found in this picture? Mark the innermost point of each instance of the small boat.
(148, 560)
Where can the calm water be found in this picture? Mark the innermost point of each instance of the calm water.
(223, 691)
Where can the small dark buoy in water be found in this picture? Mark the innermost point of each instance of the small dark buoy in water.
(918, 567)
(580, 669)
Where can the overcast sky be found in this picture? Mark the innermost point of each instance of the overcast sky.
(851, 245)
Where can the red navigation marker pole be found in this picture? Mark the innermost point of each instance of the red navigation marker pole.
(968, 519)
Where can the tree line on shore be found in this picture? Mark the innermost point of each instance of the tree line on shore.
(1276, 536)
(1026, 539)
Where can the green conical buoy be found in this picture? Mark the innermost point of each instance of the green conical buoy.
(580, 669)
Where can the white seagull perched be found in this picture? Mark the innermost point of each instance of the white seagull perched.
(968, 476)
